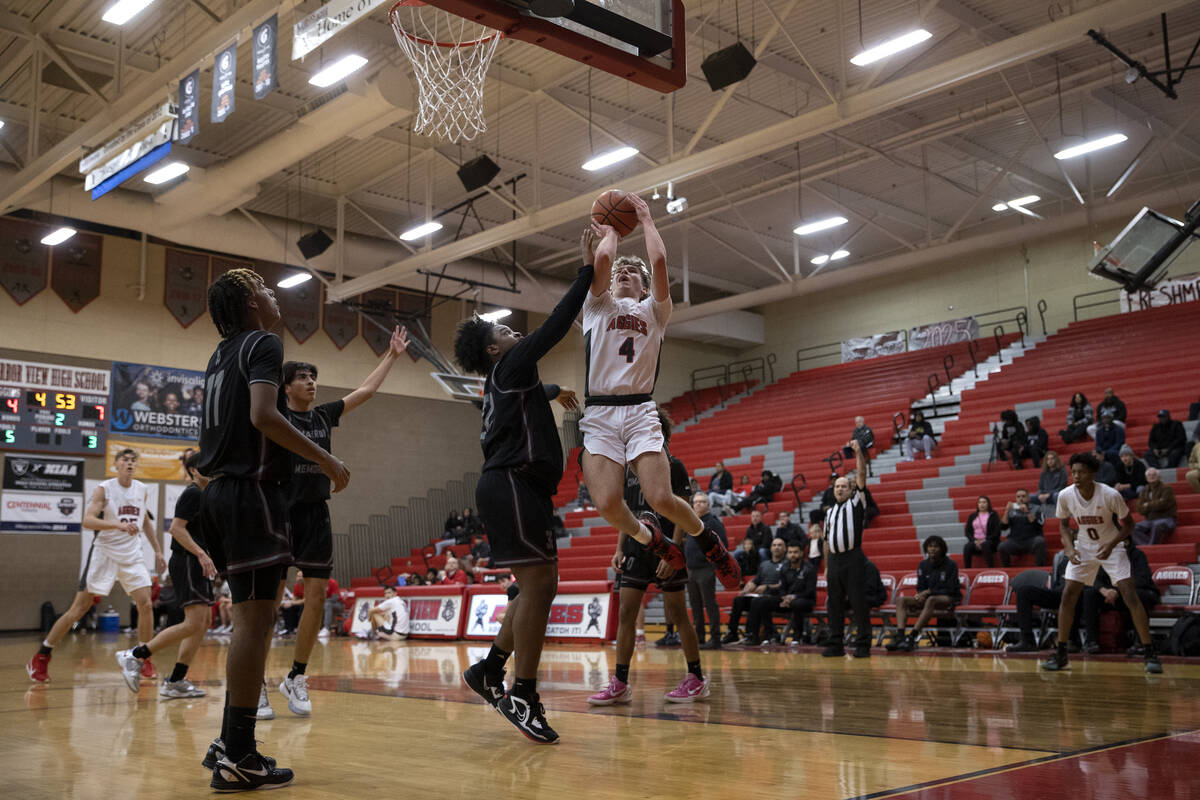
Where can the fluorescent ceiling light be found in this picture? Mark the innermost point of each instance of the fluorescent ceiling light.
(820, 225)
(1, 123)
(347, 65)
(498, 314)
(424, 229)
(838, 255)
(294, 280)
(1018, 204)
(122, 11)
(58, 236)
(1088, 147)
(891, 47)
(167, 172)
(608, 159)
(819, 260)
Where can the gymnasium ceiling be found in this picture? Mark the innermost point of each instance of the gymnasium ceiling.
(915, 150)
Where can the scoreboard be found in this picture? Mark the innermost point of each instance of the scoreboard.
(50, 421)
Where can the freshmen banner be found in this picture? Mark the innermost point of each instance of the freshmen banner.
(880, 344)
(189, 107)
(263, 58)
(224, 77)
(156, 401)
(1167, 293)
(948, 331)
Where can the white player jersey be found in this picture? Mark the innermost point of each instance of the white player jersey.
(1094, 517)
(622, 338)
(123, 505)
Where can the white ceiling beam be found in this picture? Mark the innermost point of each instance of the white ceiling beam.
(1135, 113)
(963, 145)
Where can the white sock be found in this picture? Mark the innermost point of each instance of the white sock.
(641, 632)
(47, 644)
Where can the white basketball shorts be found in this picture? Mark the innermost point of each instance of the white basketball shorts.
(621, 433)
(103, 570)
(1116, 566)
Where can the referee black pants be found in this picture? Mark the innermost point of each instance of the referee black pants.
(847, 577)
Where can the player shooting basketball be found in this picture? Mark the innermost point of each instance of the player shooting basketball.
(624, 319)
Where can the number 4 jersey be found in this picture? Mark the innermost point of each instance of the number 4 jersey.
(622, 338)
(1095, 517)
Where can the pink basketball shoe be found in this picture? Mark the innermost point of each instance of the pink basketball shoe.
(689, 690)
(615, 692)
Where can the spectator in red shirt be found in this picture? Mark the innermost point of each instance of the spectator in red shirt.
(453, 573)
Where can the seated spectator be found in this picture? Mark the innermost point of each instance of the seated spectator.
(224, 606)
(797, 581)
(452, 573)
(481, 551)
(759, 533)
(747, 556)
(827, 500)
(431, 576)
(389, 619)
(1167, 442)
(938, 590)
(1079, 416)
(720, 491)
(920, 437)
(333, 605)
(789, 531)
(865, 438)
(454, 525)
(767, 575)
(1109, 439)
(1112, 406)
(1023, 521)
(472, 526)
(1102, 596)
(1107, 474)
(1193, 473)
(871, 510)
(1009, 437)
(1131, 474)
(1157, 505)
(764, 491)
(983, 533)
(1036, 443)
(1045, 598)
(1052, 480)
(816, 540)
(291, 607)
(583, 499)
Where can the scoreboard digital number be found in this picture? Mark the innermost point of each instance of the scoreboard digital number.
(48, 421)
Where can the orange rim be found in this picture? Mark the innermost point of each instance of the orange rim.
(430, 42)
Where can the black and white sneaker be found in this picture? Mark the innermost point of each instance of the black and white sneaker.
(252, 772)
(489, 687)
(216, 751)
(529, 717)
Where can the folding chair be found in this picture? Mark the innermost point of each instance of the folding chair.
(1007, 617)
(988, 593)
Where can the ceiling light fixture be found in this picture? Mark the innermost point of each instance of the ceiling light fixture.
(167, 172)
(608, 159)
(498, 314)
(343, 67)
(819, 225)
(1, 123)
(122, 11)
(890, 47)
(294, 280)
(58, 236)
(677, 206)
(1018, 204)
(1091, 146)
(424, 229)
(836, 255)
(819, 260)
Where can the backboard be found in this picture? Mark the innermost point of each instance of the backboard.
(1142, 252)
(461, 387)
(639, 40)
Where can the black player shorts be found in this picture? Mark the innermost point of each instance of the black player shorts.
(191, 587)
(245, 524)
(312, 539)
(517, 513)
(640, 569)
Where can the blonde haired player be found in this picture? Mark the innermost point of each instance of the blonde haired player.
(624, 319)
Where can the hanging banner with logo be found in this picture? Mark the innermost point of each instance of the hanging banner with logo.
(378, 312)
(224, 78)
(858, 348)
(185, 285)
(263, 58)
(949, 331)
(189, 107)
(1169, 292)
(75, 270)
(24, 260)
(85, 541)
(165, 402)
(41, 495)
(340, 323)
(156, 462)
(326, 22)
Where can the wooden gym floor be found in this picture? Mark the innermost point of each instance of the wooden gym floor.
(394, 719)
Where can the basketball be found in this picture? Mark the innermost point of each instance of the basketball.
(613, 208)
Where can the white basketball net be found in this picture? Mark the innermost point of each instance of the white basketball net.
(450, 55)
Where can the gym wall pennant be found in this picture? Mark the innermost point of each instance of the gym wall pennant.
(224, 78)
(185, 285)
(24, 260)
(263, 57)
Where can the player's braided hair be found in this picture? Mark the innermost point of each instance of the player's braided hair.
(227, 299)
(471, 340)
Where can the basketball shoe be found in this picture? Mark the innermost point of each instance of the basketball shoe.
(180, 689)
(660, 545)
(148, 670)
(489, 687)
(617, 691)
(528, 715)
(296, 691)
(216, 751)
(689, 690)
(264, 704)
(1057, 661)
(38, 668)
(131, 669)
(725, 565)
(1153, 665)
(252, 772)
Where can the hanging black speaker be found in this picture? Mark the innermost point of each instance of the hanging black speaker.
(477, 173)
(727, 66)
(313, 244)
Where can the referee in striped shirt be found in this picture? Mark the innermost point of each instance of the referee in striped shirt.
(846, 565)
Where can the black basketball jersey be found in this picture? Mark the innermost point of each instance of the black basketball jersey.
(229, 444)
(308, 484)
(187, 509)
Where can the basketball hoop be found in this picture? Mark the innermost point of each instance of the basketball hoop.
(450, 55)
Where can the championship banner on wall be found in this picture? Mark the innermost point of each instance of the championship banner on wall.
(880, 344)
(224, 78)
(156, 401)
(24, 260)
(75, 270)
(55, 377)
(185, 285)
(85, 541)
(326, 22)
(188, 124)
(262, 56)
(41, 495)
(156, 462)
(1169, 292)
(936, 334)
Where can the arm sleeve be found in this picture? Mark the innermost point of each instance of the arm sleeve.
(552, 390)
(525, 354)
(264, 362)
(333, 411)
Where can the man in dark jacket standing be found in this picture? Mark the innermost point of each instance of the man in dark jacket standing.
(938, 591)
(702, 578)
(1167, 442)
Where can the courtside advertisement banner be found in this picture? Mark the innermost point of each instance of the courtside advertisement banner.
(224, 77)
(434, 615)
(40, 512)
(579, 616)
(263, 57)
(361, 625)
(189, 107)
(40, 474)
(484, 615)
(163, 402)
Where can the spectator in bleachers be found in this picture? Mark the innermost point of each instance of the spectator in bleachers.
(920, 437)
(1037, 442)
(452, 573)
(454, 525)
(1131, 474)
(1109, 439)
(1102, 595)
(472, 526)
(1052, 480)
(1107, 473)
(789, 531)
(720, 490)
(865, 438)
(938, 591)
(1023, 521)
(768, 573)
(1157, 504)
(290, 608)
(1010, 438)
(816, 545)
(763, 492)
(583, 498)
(818, 515)
(797, 581)
(759, 533)
(983, 533)
(1193, 473)
(1114, 407)
(747, 556)
(1042, 597)
(481, 551)
(1079, 417)
(224, 606)
(1167, 442)
(431, 576)
(702, 578)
